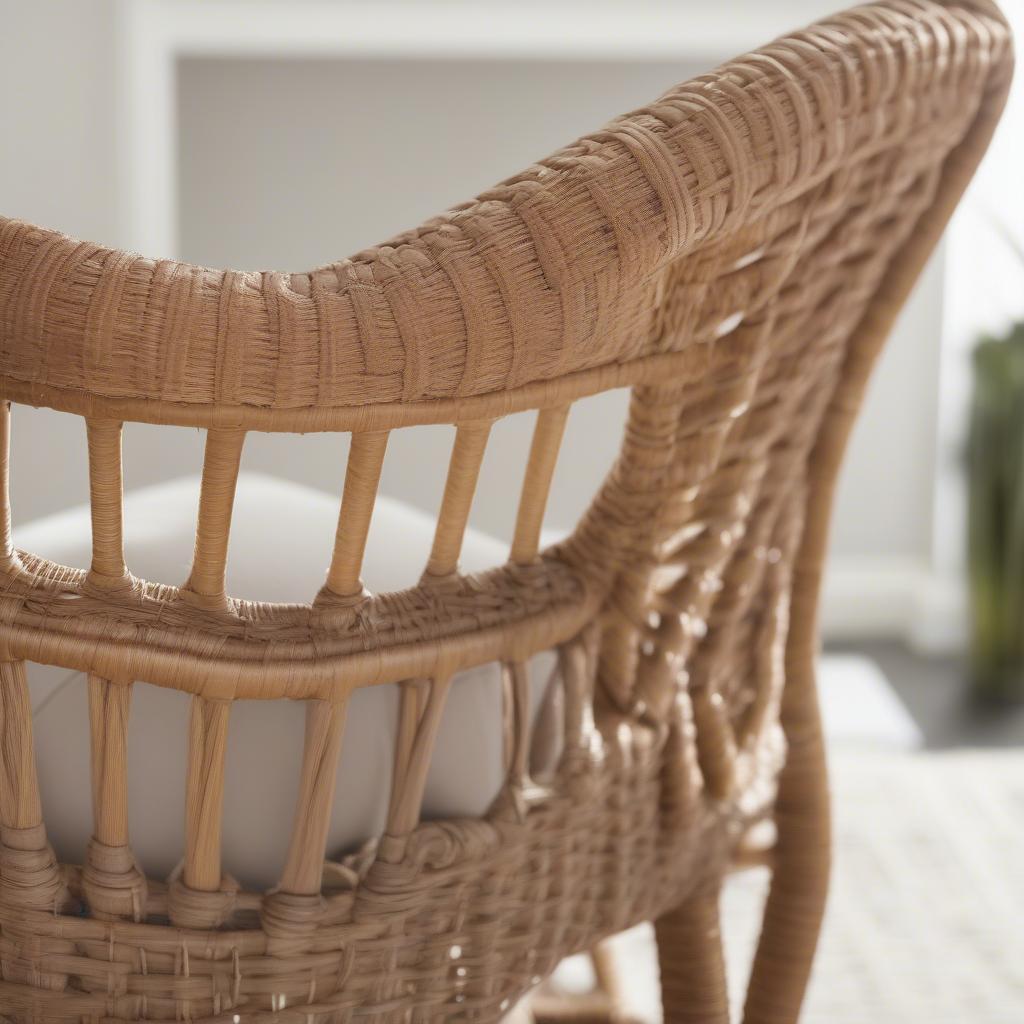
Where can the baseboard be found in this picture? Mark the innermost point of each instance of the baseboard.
(898, 598)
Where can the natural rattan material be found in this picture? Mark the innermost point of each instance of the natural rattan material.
(736, 253)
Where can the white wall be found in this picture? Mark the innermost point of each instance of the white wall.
(291, 163)
(296, 162)
(59, 168)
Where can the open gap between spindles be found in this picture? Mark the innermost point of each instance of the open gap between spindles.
(459, 489)
(362, 480)
(221, 462)
(106, 494)
(540, 469)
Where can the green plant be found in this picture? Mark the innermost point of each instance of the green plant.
(996, 517)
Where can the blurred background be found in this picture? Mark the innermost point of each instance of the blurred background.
(265, 134)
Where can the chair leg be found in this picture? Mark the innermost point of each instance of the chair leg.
(693, 988)
(799, 886)
(609, 972)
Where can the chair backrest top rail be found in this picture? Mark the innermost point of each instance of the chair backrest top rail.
(503, 300)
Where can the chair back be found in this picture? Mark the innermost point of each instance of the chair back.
(734, 253)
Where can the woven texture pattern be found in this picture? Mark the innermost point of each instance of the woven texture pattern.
(735, 252)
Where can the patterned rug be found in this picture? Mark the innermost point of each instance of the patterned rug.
(926, 919)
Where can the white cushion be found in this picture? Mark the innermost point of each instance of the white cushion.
(281, 540)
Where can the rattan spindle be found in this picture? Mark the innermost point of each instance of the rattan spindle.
(540, 471)
(459, 489)
(112, 884)
(362, 479)
(419, 717)
(303, 872)
(205, 584)
(574, 668)
(7, 556)
(29, 875)
(30, 878)
(515, 680)
(105, 500)
(109, 707)
(200, 898)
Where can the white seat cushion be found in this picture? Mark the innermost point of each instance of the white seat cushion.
(281, 540)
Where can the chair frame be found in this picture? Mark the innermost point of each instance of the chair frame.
(685, 251)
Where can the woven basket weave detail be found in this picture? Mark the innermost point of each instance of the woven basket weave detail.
(735, 253)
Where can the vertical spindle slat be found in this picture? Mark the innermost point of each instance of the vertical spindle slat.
(515, 679)
(303, 870)
(29, 874)
(540, 468)
(204, 793)
(106, 500)
(112, 883)
(216, 501)
(413, 701)
(6, 539)
(547, 735)
(422, 705)
(19, 795)
(459, 488)
(362, 478)
(29, 871)
(576, 669)
(109, 706)
(716, 741)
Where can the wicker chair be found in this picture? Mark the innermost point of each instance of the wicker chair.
(734, 253)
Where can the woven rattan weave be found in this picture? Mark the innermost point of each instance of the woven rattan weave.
(735, 253)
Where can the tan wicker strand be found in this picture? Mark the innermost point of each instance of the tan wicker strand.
(31, 882)
(109, 706)
(540, 469)
(29, 875)
(220, 473)
(420, 710)
(459, 489)
(304, 867)
(516, 688)
(112, 884)
(105, 500)
(735, 252)
(201, 897)
(7, 556)
(362, 479)
(19, 794)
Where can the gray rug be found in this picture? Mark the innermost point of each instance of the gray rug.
(926, 919)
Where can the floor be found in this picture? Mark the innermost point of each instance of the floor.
(923, 922)
(940, 945)
(935, 691)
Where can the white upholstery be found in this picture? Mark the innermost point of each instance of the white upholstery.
(265, 738)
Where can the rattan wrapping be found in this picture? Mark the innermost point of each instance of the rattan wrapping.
(735, 252)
